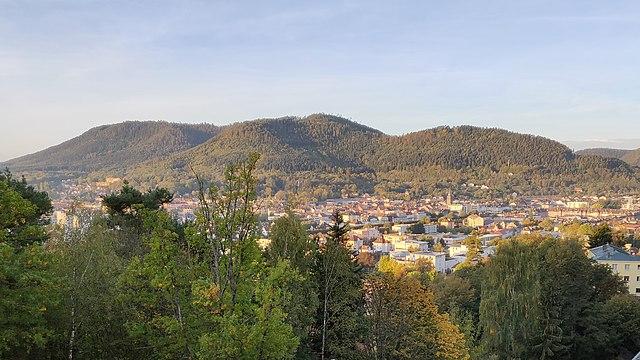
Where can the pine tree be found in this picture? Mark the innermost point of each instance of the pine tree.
(338, 326)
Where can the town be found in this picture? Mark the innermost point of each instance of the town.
(434, 229)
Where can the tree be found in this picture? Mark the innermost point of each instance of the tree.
(241, 297)
(21, 219)
(39, 199)
(474, 249)
(366, 260)
(404, 322)
(86, 260)
(547, 224)
(127, 210)
(227, 220)
(602, 234)
(417, 228)
(129, 200)
(28, 287)
(28, 292)
(536, 295)
(439, 246)
(337, 328)
(156, 293)
(291, 242)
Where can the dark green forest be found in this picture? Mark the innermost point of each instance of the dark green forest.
(325, 156)
(631, 157)
(133, 283)
(111, 147)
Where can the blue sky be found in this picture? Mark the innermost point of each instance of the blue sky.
(568, 70)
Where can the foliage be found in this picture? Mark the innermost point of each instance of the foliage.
(23, 211)
(291, 243)
(338, 327)
(204, 290)
(28, 287)
(28, 291)
(89, 320)
(536, 295)
(404, 322)
(601, 234)
(321, 156)
(129, 200)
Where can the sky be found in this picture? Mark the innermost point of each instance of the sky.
(568, 70)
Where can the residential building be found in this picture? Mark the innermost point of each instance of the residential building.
(625, 265)
(474, 221)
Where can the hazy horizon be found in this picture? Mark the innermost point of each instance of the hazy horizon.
(567, 71)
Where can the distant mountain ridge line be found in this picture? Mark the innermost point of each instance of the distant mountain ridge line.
(631, 157)
(323, 148)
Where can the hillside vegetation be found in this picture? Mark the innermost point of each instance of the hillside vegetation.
(323, 155)
(605, 152)
(116, 146)
(631, 157)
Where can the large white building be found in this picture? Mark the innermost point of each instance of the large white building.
(622, 263)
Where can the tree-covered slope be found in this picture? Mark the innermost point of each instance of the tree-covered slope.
(321, 151)
(116, 146)
(468, 146)
(605, 152)
(632, 157)
(327, 154)
(313, 143)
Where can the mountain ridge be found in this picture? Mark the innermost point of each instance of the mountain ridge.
(631, 157)
(116, 145)
(332, 153)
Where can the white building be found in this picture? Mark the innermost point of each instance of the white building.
(430, 229)
(400, 228)
(412, 245)
(438, 259)
(459, 249)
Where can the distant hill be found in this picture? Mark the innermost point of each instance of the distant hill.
(605, 152)
(323, 155)
(316, 142)
(116, 146)
(631, 157)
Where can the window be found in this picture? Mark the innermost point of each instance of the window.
(614, 266)
(626, 266)
(638, 267)
(637, 290)
(637, 278)
(625, 278)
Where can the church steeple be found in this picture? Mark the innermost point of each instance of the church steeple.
(449, 198)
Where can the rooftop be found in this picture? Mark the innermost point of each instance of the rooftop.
(610, 252)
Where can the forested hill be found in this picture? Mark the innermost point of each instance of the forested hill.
(325, 154)
(467, 146)
(316, 142)
(323, 142)
(631, 157)
(605, 152)
(116, 146)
